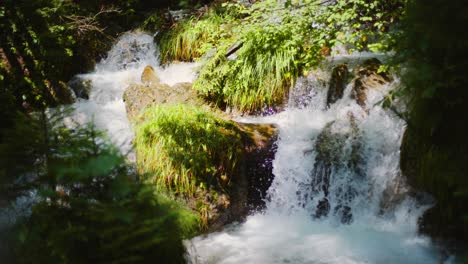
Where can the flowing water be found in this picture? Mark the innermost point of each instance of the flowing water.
(337, 196)
(123, 66)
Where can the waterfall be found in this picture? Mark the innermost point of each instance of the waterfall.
(338, 195)
(123, 66)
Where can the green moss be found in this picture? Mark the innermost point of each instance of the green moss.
(185, 148)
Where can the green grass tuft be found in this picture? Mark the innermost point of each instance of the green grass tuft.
(185, 148)
(191, 38)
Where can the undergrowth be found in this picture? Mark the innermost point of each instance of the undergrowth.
(185, 148)
(276, 42)
(191, 38)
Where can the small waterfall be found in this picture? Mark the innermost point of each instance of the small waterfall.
(335, 168)
(123, 66)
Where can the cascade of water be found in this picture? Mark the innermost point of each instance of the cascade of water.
(333, 168)
(123, 66)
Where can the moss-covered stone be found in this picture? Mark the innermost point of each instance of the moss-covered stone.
(139, 96)
(220, 168)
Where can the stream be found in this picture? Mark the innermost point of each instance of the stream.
(338, 195)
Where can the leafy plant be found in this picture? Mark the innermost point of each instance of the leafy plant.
(273, 43)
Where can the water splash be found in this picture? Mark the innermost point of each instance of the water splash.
(342, 159)
(123, 66)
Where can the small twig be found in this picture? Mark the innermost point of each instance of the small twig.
(86, 24)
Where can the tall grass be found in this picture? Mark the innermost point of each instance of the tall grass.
(191, 38)
(186, 148)
(264, 71)
(277, 46)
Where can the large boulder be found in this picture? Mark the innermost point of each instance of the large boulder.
(236, 194)
(249, 187)
(368, 77)
(139, 96)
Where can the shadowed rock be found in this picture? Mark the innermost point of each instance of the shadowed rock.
(258, 162)
(338, 83)
(81, 87)
(249, 186)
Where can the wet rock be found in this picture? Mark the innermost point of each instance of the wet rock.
(343, 212)
(149, 76)
(64, 94)
(323, 208)
(80, 86)
(248, 187)
(258, 162)
(329, 146)
(338, 81)
(338, 148)
(368, 77)
(394, 194)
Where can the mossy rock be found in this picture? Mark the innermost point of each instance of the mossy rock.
(203, 158)
(139, 96)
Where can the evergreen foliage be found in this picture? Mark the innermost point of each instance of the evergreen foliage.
(434, 48)
(88, 208)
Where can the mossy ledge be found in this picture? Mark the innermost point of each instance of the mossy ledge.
(198, 156)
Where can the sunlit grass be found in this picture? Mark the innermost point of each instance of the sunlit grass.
(186, 148)
(271, 54)
(262, 74)
(191, 38)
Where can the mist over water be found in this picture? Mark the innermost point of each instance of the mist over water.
(355, 226)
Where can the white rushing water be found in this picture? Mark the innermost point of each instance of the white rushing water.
(291, 229)
(123, 66)
(355, 228)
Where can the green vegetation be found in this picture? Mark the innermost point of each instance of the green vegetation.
(90, 207)
(186, 148)
(276, 41)
(44, 43)
(434, 48)
(86, 200)
(190, 39)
